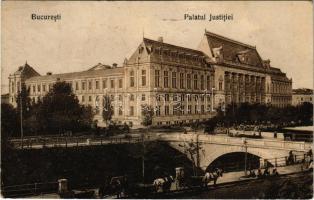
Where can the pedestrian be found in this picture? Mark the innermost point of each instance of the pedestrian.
(259, 173)
(252, 173)
(275, 172)
(266, 172)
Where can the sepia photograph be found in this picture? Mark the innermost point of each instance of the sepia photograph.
(157, 99)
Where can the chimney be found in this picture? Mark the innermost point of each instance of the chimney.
(49, 73)
(160, 39)
(114, 65)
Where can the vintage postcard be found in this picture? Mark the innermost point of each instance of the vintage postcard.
(156, 99)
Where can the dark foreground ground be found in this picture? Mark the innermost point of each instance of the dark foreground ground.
(296, 186)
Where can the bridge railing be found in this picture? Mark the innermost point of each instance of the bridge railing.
(73, 141)
(222, 139)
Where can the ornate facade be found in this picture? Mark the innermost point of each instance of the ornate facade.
(182, 85)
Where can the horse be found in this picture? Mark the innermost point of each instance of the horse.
(212, 176)
(163, 184)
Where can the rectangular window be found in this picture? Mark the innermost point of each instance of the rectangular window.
(104, 83)
(120, 83)
(166, 97)
(166, 110)
(202, 109)
(89, 85)
(44, 88)
(182, 109)
(188, 81)
(132, 80)
(196, 98)
(34, 88)
(202, 82)
(196, 110)
(143, 97)
(158, 110)
(189, 97)
(166, 79)
(182, 97)
(83, 85)
(120, 110)
(175, 97)
(112, 83)
(131, 110)
(181, 81)
(76, 86)
(89, 98)
(83, 98)
(195, 82)
(208, 83)
(97, 85)
(189, 109)
(132, 97)
(174, 80)
(38, 88)
(157, 78)
(143, 77)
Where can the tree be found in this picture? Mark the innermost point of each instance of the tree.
(60, 110)
(192, 149)
(107, 109)
(147, 115)
(9, 121)
(23, 100)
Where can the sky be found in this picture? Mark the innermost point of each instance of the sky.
(94, 32)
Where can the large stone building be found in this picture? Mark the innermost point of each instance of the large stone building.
(182, 85)
(302, 95)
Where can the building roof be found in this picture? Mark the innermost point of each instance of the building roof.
(233, 50)
(97, 71)
(171, 47)
(302, 91)
(26, 70)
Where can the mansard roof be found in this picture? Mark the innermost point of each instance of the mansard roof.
(91, 73)
(171, 47)
(234, 50)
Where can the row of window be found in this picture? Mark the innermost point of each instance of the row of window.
(83, 85)
(182, 97)
(198, 81)
(182, 110)
(143, 78)
(98, 84)
(176, 110)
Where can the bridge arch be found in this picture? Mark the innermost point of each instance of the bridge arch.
(235, 161)
(212, 152)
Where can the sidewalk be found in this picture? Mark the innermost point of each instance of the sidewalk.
(235, 176)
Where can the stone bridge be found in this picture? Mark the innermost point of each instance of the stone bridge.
(215, 146)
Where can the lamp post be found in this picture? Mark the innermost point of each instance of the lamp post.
(245, 156)
(21, 120)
